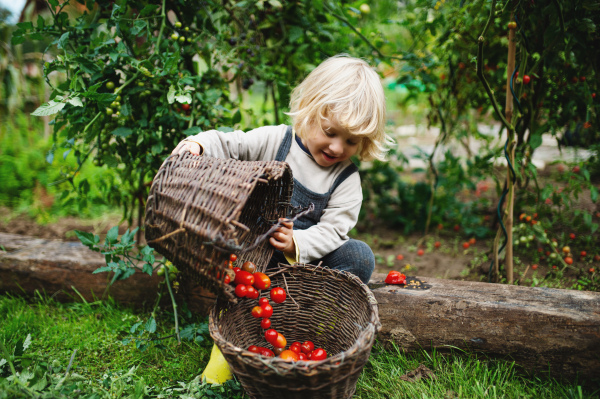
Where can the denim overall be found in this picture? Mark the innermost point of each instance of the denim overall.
(353, 256)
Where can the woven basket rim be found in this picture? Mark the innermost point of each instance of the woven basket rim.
(282, 366)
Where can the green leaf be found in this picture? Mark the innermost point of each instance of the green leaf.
(122, 131)
(76, 101)
(147, 269)
(237, 117)
(150, 326)
(295, 34)
(87, 239)
(62, 42)
(50, 108)
(138, 26)
(17, 39)
(185, 98)
(535, 141)
(113, 235)
(171, 94)
(102, 270)
(594, 193)
(192, 131)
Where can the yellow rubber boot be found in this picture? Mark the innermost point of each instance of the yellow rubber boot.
(217, 370)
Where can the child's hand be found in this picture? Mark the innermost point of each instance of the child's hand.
(282, 238)
(185, 146)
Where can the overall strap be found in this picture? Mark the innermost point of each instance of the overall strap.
(350, 169)
(285, 146)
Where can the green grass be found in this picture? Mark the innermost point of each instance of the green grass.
(103, 367)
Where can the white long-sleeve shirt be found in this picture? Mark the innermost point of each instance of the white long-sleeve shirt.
(262, 144)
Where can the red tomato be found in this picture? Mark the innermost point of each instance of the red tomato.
(395, 277)
(302, 356)
(289, 355)
(267, 352)
(233, 257)
(236, 270)
(420, 252)
(569, 260)
(265, 323)
(240, 290)
(583, 254)
(227, 279)
(280, 341)
(400, 257)
(526, 79)
(437, 244)
(534, 267)
(261, 281)
(263, 301)
(252, 292)
(254, 349)
(572, 235)
(278, 295)
(597, 258)
(296, 347)
(472, 241)
(318, 354)
(271, 336)
(257, 312)
(243, 277)
(466, 245)
(185, 107)
(307, 347)
(591, 270)
(267, 311)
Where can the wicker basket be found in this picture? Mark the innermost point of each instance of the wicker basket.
(329, 307)
(201, 209)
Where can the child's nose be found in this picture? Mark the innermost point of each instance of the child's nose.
(336, 146)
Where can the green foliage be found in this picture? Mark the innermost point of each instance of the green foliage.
(142, 76)
(28, 180)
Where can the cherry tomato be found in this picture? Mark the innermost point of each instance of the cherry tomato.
(185, 107)
(526, 79)
(227, 279)
(254, 349)
(265, 323)
(249, 267)
(233, 257)
(243, 277)
(420, 252)
(267, 352)
(261, 281)
(267, 311)
(257, 312)
(110, 85)
(280, 341)
(236, 270)
(583, 254)
(289, 355)
(512, 25)
(466, 245)
(240, 290)
(278, 295)
(395, 277)
(318, 354)
(277, 351)
(296, 347)
(271, 335)
(307, 347)
(252, 292)
(263, 301)
(302, 356)
(569, 260)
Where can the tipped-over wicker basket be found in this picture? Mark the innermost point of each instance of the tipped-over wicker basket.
(332, 308)
(201, 209)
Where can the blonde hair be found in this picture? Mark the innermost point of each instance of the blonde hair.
(348, 90)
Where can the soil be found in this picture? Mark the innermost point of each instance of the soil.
(387, 244)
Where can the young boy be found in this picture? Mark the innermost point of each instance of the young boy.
(338, 111)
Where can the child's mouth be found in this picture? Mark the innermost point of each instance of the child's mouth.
(328, 158)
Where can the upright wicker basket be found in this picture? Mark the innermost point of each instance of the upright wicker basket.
(332, 308)
(201, 209)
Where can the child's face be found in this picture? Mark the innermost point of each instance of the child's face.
(330, 143)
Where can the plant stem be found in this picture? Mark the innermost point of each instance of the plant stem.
(168, 283)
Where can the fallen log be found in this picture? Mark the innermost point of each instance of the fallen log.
(542, 329)
(63, 270)
(539, 328)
